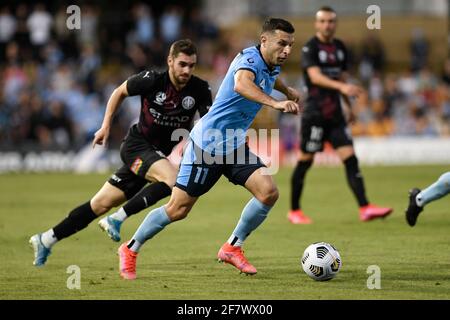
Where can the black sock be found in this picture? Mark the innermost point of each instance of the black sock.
(297, 182)
(355, 180)
(147, 197)
(78, 219)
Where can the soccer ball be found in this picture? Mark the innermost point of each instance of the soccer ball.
(321, 261)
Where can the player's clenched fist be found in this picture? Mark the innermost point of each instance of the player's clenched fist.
(288, 106)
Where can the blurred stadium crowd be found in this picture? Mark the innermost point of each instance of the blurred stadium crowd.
(55, 82)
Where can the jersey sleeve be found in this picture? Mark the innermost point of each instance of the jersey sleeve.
(206, 102)
(309, 56)
(140, 84)
(247, 62)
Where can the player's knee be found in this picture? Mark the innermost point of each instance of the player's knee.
(270, 195)
(169, 177)
(170, 180)
(101, 205)
(176, 213)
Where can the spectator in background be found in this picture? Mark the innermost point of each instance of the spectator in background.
(59, 125)
(446, 72)
(373, 52)
(22, 36)
(62, 79)
(116, 52)
(12, 55)
(138, 57)
(14, 77)
(39, 24)
(37, 130)
(89, 24)
(372, 57)
(156, 53)
(391, 94)
(207, 35)
(419, 49)
(52, 56)
(170, 24)
(71, 60)
(8, 25)
(65, 38)
(423, 124)
(221, 59)
(5, 119)
(90, 63)
(200, 27)
(144, 32)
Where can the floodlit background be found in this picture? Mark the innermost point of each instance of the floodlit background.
(55, 82)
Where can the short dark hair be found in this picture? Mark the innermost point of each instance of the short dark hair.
(185, 46)
(326, 9)
(272, 24)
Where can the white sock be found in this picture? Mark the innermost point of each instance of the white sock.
(238, 242)
(48, 239)
(135, 246)
(419, 201)
(120, 215)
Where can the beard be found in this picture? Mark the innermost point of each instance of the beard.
(183, 79)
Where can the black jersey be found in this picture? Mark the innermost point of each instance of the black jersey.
(331, 58)
(164, 109)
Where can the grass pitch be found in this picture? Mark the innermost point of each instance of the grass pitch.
(180, 262)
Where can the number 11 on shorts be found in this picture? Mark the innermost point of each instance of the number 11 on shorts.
(201, 173)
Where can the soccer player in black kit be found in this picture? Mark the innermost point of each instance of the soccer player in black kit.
(169, 101)
(324, 60)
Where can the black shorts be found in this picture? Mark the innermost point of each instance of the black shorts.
(315, 131)
(198, 174)
(138, 155)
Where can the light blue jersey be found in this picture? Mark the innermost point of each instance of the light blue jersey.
(223, 128)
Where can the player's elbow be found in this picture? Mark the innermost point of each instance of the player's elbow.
(239, 87)
(314, 75)
(121, 91)
(315, 80)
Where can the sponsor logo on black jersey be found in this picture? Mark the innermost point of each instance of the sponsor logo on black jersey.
(160, 98)
(188, 102)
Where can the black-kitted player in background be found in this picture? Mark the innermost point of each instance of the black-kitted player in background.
(169, 101)
(324, 62)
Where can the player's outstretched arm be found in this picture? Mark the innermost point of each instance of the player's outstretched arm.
(120, 93)
(245, 86)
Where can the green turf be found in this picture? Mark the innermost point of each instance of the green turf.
(179, 263)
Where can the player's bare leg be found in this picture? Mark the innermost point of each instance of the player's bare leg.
(179, 206)
(255, 212)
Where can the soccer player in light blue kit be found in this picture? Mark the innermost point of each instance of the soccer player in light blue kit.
(418, 199)
(217, 146)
